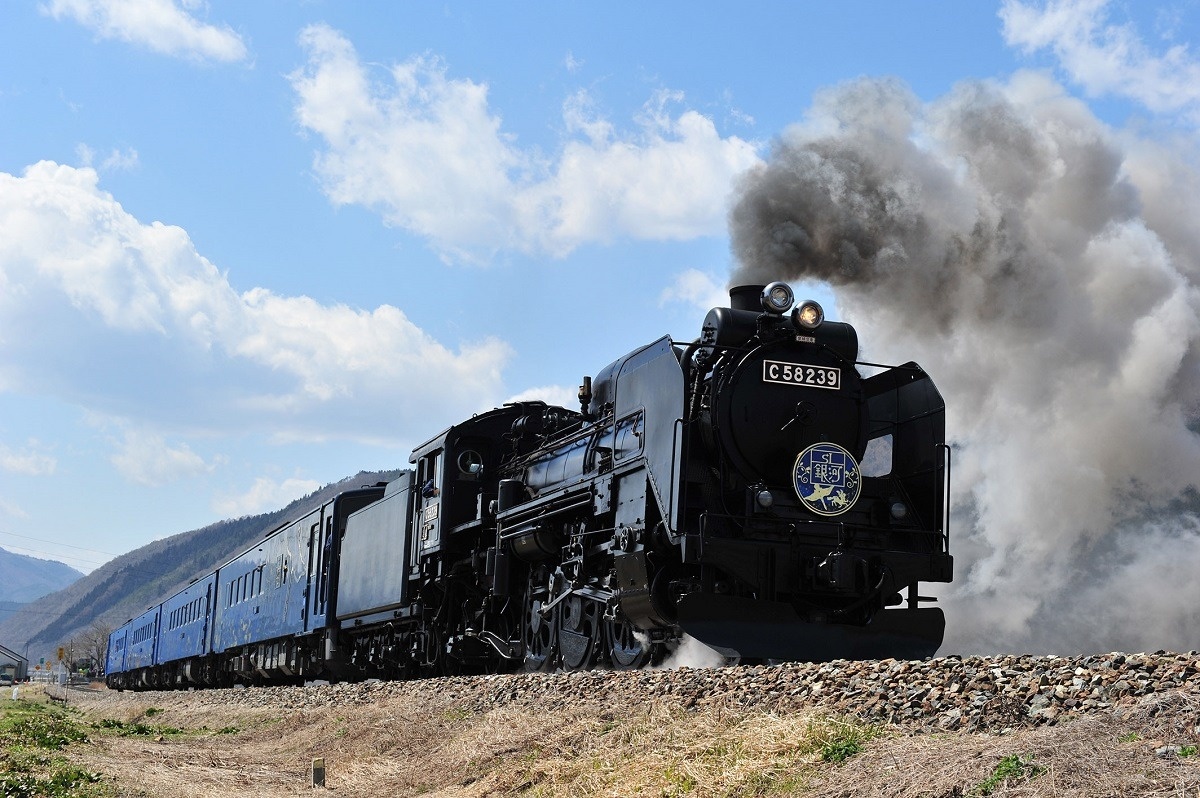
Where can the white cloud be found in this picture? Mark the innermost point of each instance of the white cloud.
(429, 154)
(159, 25)
(120, 161)
(145, 458)
(116, 161)
(30, 461)
(562, 395)
(83, 284)
(1105, 57)
(265, 495)
(671, 180)
(699, 289)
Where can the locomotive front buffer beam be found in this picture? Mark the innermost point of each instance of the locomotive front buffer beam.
(749, 628)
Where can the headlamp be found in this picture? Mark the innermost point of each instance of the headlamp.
(808, 316)
(765, 499)
(778, 298)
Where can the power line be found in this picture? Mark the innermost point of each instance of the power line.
(52, 555)
(65, 559)
(56, 543)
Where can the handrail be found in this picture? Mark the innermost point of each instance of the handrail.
(946, 464)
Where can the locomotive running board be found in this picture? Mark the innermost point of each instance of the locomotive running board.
(742, 627)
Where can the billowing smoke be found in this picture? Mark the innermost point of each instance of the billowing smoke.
(1043, 268)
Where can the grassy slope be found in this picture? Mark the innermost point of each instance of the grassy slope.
(430, 745)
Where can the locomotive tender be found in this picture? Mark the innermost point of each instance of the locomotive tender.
(751, 489)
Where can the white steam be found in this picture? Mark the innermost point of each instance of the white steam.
(1043, 268)
(691, 653)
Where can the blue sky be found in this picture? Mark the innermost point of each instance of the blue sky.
(248, 248)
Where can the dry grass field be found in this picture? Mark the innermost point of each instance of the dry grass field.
(427, 743)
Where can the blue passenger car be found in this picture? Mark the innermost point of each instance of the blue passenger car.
(261, 593)
(114, 660)
(184, 631)
(142, 643)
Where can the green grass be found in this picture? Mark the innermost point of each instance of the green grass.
(836, 740)
(678, 783)
(40, 726)
(134, 729)
(1013, 769)
(31, 734)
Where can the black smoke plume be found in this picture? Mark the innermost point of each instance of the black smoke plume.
(1043, 267)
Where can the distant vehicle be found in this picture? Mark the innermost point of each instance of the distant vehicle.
(5, 679)
(752, 489)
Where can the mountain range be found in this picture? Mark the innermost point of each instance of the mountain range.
(24, 578)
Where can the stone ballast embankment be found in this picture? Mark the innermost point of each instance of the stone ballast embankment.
(991, 693)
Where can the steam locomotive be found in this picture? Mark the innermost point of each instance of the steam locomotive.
(751, 489)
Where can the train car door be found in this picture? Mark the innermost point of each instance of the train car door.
(316, 558)
(206, 630)
(322, 558)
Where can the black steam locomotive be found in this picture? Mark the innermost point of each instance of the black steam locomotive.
(751, 489)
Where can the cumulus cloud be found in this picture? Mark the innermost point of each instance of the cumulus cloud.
(1040, 266)
(429, 154)
(29, 460)
(85, 286)
(158, 25)
(700, 289)
(265, 495)
(146, 458)
(1103, 56)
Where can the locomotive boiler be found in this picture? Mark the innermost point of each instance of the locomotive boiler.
(758, 488)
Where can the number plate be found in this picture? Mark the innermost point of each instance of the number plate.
(802, 374)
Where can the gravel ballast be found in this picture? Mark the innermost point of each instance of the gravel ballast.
(991, 693)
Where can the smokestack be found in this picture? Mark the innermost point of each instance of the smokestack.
(747, 297)
(1037, 265)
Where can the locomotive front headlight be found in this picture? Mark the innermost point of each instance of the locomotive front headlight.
(765, 499)
(778, 298)
(808, 316)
